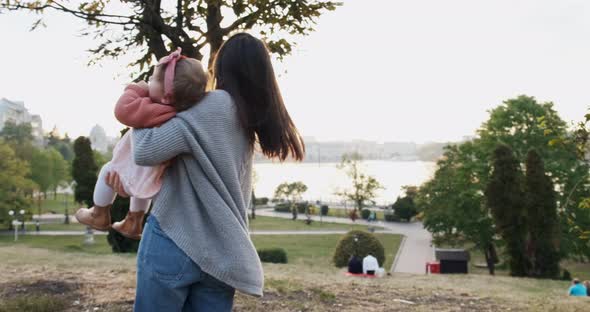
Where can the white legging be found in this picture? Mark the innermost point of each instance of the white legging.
(104, 195)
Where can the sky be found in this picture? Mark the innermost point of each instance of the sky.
(381, 70)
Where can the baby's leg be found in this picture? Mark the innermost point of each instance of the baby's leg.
(139, 204)
(99, 216)
(132, 225)
(104, 195)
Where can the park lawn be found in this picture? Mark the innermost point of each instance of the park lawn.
(317, 250)
(262, 223)
(65, 243)
(309, 250)
(51, 205)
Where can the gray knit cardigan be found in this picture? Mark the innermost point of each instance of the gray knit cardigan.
(207, 189)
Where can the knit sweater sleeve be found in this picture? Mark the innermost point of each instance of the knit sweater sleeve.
(135, 109)
(153, 146)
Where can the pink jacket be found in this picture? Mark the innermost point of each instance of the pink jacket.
(135, 109)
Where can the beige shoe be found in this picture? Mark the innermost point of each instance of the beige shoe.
(131, 226)
(98, 218)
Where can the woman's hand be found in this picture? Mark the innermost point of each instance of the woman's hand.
(113, 180)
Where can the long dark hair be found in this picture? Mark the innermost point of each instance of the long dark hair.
(242, 67)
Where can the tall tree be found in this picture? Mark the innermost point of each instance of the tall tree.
(42, 171)
(542, 221)
(59, 170)
(151, 28)
(62, 145)
(84, 171)
(20, 139)
(505, 200)
(455, 211)
(364, 187)
(574, 207)
(292, 192)
(453, 205)
(405, 207)
(14, 183)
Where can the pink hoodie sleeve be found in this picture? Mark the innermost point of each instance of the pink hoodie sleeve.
(135, 109)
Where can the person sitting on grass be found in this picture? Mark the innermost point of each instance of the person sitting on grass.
(577, 289)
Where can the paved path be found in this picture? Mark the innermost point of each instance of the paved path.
(415, 251)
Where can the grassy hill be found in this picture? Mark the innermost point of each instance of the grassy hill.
(76, 281)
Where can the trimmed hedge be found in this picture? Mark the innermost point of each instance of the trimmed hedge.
(324, 210)
(390, 216)
(365, 244)
(283, 207)
(365, 213)
(272, 255)
(261, 201)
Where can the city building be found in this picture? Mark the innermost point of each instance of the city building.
(99, 139)
(16, 112)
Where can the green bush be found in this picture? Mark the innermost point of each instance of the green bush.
(272, 255)
(324, 210)
(365, 213)
(566, 276)
(389, 216)
(365, 244)
(404, 208)
(283, 207)
(301, 207)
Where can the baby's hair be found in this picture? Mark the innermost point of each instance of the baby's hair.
(190, 81)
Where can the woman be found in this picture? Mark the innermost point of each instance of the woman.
(196, 249)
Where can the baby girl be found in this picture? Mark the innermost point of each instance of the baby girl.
(176, 84)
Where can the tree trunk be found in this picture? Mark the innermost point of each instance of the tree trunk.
(214, 31)
(490, 253)
(39, 204)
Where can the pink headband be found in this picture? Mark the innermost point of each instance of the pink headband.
(171, 60)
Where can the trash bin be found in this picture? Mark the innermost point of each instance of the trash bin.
(432, 267)
(452, 260)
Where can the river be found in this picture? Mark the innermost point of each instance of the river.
(324, 179)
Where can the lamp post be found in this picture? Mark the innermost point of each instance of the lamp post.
(14, 224)
(67, 216)
(22, 214)
(15, 221)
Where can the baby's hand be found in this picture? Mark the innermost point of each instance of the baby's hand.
(142, 84)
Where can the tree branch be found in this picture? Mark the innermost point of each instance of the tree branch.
(238, 22)
(179, 15)
(96, 17)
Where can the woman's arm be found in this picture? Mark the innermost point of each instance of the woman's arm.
(153, 146)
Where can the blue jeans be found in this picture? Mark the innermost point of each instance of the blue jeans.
(168, 280)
